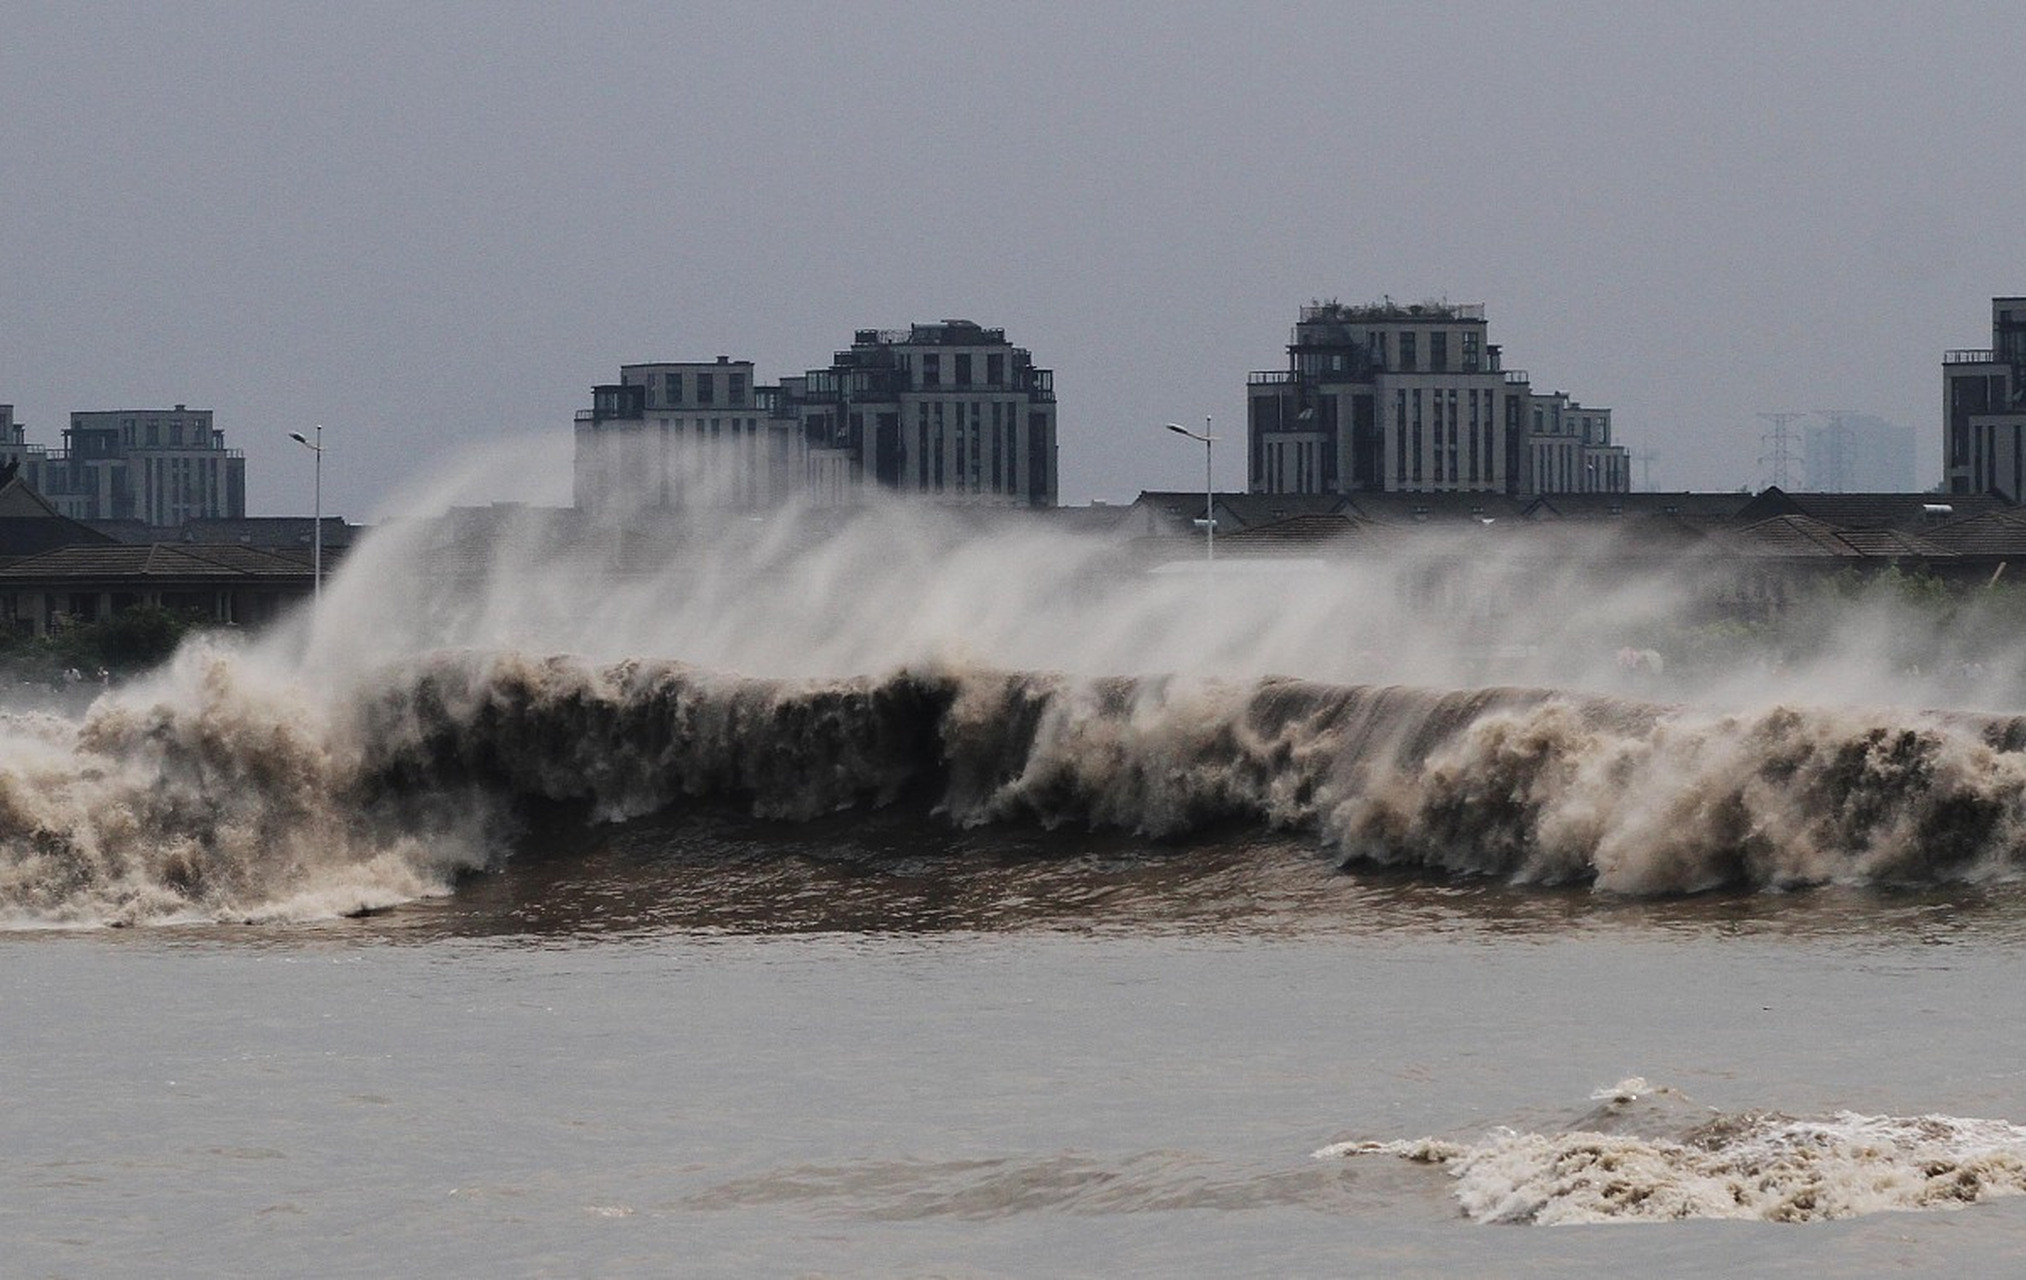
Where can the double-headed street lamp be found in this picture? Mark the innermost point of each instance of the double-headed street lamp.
(1209, 490)
(317, 527)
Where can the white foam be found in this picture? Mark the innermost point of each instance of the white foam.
(1762, 1166)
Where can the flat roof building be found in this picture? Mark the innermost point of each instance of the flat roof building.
(950, 411)
(1984, 409)
(1388, 397)
(158, 466)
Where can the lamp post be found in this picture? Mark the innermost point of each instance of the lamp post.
(1209, 489)
(317, 524)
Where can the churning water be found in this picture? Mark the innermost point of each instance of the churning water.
(889, 897)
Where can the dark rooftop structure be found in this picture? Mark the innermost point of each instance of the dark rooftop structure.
(29, 525)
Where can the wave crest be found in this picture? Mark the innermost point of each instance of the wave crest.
(220, 791)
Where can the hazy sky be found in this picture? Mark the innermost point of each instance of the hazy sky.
(427, 225)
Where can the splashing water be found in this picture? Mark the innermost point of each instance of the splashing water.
(1754, 1165)
(818, 662)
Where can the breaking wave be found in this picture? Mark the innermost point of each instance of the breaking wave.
(1626, 1162)
(224, 791)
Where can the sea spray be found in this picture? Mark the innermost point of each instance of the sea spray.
(214, 792)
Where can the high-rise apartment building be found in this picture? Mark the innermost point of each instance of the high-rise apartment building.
(1388, 397)
(1984, 409)
(682, 434)
(950, 411)
(158, 466)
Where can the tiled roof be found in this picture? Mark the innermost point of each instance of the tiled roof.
(1995, 535)
(1803, 537)
(158, 561)
(30, 526)
(1434, 508)
(1914, 512)
(276, 533)
(1304, 532)
(1237, 512)
(1698, 508)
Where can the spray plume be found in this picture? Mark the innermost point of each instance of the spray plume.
(1461, 702)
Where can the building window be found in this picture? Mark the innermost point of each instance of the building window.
(672, 388)
(1417, 437)
(1473, 437)
(932, 370)
(706, 391)
(735, 388)
(995, 369)
(1407, 352)
(1400, 436)
(964, 369)
(1438, 351)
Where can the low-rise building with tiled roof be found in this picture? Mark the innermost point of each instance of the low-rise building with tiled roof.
(244, 586)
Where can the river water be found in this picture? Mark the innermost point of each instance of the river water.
(746, 920)
(674, 1052)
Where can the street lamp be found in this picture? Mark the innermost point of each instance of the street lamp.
(1209, 490)
(317, 526)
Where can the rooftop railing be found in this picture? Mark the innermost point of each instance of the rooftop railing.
(1968, 356)
(1391, 310)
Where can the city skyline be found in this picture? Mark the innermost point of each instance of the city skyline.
(430, 227)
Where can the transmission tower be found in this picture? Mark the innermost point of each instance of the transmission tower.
(1780, 440)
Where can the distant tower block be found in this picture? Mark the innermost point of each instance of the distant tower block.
(1831, 452)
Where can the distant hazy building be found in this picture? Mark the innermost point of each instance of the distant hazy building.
(1857, 453)
(675, 434)
(1387, 398)
(950, 411)
(1984, 408)
(158, 466)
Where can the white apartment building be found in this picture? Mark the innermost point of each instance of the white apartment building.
(158, 466)
(681, 433)
(1413, 398)
(1569, 449)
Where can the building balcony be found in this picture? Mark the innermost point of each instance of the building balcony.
(1970, 357)
(1269, 378)
(1516, 377)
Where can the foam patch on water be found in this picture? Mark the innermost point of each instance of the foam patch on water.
(1751, 1165)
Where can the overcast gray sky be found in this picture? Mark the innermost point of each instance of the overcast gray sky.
(427, 225)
